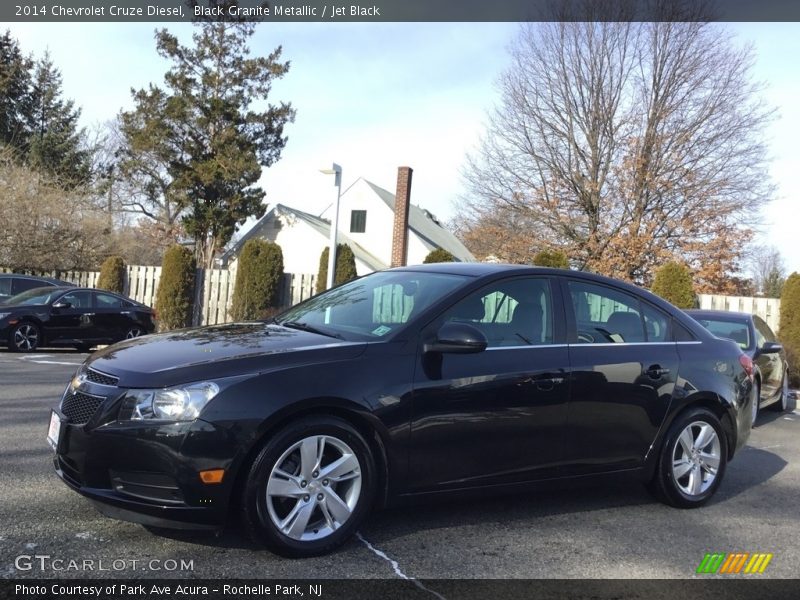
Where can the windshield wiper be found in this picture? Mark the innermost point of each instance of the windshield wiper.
(309, 328)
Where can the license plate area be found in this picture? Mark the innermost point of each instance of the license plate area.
(55, 431)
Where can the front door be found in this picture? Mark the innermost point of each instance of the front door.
(496, 416)
(75, 322)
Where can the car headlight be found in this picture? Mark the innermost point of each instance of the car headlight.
(179, 403)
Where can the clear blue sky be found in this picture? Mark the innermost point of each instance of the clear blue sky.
(373, 97)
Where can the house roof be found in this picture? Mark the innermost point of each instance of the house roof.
(426, 226)
(323, 226)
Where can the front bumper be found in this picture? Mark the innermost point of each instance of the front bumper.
(149, 473)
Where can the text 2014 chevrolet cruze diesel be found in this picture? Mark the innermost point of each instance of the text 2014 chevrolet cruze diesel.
(404, 383)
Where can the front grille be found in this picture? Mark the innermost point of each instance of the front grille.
(101, 378)
(80, 407)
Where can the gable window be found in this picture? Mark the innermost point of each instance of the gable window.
(358, 221)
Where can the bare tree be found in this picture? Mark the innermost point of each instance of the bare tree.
(765, 265)
(624, 145)
(45, 226)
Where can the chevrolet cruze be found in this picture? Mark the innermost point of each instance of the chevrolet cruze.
(404, 384)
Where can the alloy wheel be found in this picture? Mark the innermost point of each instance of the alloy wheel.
(696, 458)
(313, 488)
(26, 337)
(133, 332)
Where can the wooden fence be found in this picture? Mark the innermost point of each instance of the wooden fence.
(213, 288)
(768, 309)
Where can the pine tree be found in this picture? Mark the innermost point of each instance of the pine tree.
(551, 258)
(345, 267)
(673, 282)
(438, 255)
(216, 141)
(55, 142)
(15, 78)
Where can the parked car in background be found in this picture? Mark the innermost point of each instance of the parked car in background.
(12, 284)
(446, 378)
(758, 341)
(70, 316)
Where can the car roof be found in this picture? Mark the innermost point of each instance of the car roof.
(488, 270)
(726, 315)
(53, 280)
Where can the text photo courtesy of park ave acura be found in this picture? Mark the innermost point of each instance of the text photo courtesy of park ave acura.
(400, 300)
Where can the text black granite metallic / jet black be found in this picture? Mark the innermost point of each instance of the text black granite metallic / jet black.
(404, 384)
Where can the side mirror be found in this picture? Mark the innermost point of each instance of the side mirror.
(458, 338)
(62, 305)
(771, 348)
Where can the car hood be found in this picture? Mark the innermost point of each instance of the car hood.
(22, 307)
(218, 351)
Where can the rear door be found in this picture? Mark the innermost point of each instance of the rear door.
(112, 318)
(496, 416)
(623, 372)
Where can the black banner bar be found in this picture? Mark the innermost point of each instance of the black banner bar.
(333, 11)
(750, 587)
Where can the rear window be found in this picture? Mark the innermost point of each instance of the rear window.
(727, 329)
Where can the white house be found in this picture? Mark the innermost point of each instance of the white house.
(367, 223)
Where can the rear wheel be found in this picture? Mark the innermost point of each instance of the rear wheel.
(309, 488)
(24, 337)
(756, 400)
(692, 461)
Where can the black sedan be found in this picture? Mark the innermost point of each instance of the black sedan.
(404, 384)
(12, 284)
(69, 316)
(757, 340)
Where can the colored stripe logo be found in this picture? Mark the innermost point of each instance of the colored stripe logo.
(735, 562)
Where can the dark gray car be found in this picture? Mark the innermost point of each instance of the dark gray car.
(758, 341)
(12, 284)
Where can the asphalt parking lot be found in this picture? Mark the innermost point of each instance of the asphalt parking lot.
(592, 532)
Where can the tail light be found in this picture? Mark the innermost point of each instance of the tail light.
(154, 314)
(747, 365)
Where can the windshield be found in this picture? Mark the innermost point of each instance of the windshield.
(371, 307)
(42, 295)
(730, 330)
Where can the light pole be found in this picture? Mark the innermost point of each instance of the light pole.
(337, 171)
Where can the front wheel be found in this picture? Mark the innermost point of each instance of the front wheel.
(309, 488)
(134, 332)
(692, 460)
(25, 337)
(782, 405)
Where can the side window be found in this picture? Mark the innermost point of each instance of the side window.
(5, 286)
(392, 304)
(656, 324)
(604, 315)
(78, 300)
(23, 284)
(108, 301)
(764, 329)
(760, 337)
(516, 312)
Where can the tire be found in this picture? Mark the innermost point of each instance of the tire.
(25, 337)
(782, 405)
(290, 506)
(134, 332)
(83, 347)
(704, 469)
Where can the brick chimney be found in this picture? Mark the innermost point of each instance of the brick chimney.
(402, 199)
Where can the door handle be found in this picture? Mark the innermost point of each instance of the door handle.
(656, 372)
